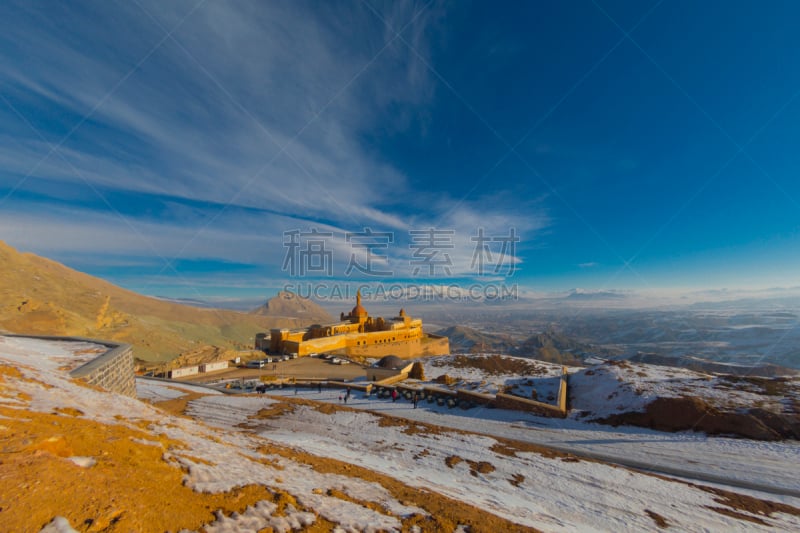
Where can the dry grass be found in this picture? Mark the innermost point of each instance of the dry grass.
(480, 467)
(275, 410)
(736, 505)
(657, 518)
(124, 491)
(39, 296)
(452, 460)
(444, 513)
(177, 406)
(517, 480)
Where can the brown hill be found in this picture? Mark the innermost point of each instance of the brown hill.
(469, 340)
(40, 296)
(289, 305)
(554, 347)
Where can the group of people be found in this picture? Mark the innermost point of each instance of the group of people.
(415, 398)
(346, 396)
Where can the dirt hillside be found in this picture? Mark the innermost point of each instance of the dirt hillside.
(40, 296)
(289, 305)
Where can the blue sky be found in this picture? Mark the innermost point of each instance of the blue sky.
(173, 147)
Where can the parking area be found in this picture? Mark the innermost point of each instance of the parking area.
(301, 368)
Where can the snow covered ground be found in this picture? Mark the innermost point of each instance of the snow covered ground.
(552, 494)
(214, 460)
(491, 374)
(157, 391)
(226, 444)
(740, 461)
(51, 354)
(611, 388)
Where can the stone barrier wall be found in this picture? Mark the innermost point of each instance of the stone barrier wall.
(112, 371)
(391, 380)
(477, 397)
(562, 390)
(507, 401)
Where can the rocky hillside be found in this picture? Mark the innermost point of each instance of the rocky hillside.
(289, 305)
(40, 296)
(555, 347)
(469, 340)
(678, 399)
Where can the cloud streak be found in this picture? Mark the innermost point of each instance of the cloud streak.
(249, 120)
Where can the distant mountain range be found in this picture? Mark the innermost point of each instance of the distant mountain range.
(548, 345)
(555, 347)
(589, 295)
(40, 296)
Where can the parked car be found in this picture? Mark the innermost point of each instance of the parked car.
(255, 364)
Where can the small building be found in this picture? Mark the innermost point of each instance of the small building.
(183, 372)
(262, 342)
(214, 365)
(388, 367)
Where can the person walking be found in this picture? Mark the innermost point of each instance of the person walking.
(416, 399)
(319, 387)
(394, 395)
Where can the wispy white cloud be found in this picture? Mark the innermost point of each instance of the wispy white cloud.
(261, 107)
(204, 118)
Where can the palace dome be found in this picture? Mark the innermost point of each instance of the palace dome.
(358, 311)
(391, 362)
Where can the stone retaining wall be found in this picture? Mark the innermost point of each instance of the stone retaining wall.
(477, 397)
(112, 371)
(507, 401)
(391, 380)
